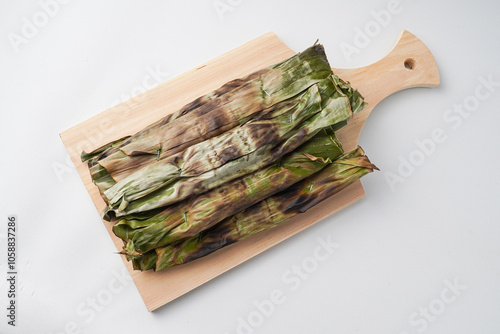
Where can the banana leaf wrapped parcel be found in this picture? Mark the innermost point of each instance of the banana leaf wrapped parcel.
(117, 161)
(239, 160)
(198, 213)
(263, 215)
(232, 154)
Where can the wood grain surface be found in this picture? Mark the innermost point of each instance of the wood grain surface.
(408, 64)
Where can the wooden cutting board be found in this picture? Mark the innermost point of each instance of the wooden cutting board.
(408, 64)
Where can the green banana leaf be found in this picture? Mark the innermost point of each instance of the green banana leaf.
(263, 215)
(187, 218)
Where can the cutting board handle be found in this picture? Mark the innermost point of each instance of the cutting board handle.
(409, 64)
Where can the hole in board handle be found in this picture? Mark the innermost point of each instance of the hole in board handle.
(410, 63)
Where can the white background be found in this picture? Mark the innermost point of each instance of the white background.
(397, 248)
